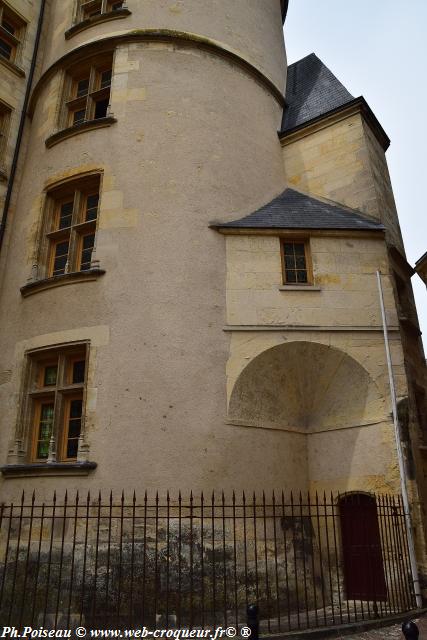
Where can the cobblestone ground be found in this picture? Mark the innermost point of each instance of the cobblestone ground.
(389, 633)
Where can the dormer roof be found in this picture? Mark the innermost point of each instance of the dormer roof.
(295, 210)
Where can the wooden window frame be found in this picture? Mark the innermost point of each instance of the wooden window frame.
(76, 191)
(308, 261)
(85, 7)
(13, 40)
(59, 395)
(73, 103)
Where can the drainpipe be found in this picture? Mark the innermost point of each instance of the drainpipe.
(21, 125)
(397, 434)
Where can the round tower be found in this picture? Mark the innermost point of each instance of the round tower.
(149, 120)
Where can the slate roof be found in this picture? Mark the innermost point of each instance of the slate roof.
(285, 5)
(422, 259)
(295, 210)
(311, 91)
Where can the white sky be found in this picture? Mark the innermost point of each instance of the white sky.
(378, 49)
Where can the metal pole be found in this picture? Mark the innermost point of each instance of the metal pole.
(411, 546)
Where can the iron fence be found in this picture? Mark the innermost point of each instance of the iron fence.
(306, 561)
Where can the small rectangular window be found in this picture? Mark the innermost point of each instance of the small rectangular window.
(295, 262)
(55, 400)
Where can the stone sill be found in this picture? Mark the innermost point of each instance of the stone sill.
(300, 287)
(57, 281)
(90, 22)
(69, 132)
(48, 469)
(12, 66)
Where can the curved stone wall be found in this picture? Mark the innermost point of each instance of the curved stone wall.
(192, 138)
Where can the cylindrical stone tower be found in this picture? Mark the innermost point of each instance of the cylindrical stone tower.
(148, 120)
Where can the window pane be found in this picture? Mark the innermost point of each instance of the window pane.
(79, 116)
(302, 276)
(299, 249)
(87, 249)
(291, 276)
(78, 371)
(88, 241)
(82, 87)
(74, 427)
(289, 248)
(5, 49)
(101, 109)
(105, 79)
(72, 448)
(61, 257)
(76, 408)
(44, 430)
(43, 449)
(116, 6)
(300, 262)
(47, 412)
(65, 215)
(289, 262)
(8, 26)
(50, 375)
(92, 207)
(62, 248)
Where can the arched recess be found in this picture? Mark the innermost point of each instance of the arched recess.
(305, 386)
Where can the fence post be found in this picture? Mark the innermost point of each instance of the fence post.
(410, 631)
(253, 621)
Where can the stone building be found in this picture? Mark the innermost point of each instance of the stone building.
(188, 291)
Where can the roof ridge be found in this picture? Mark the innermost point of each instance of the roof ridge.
(312, 90)
(309, 55)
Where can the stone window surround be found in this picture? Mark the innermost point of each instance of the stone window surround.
(40, 279)
(20, 463)
(80, 25)
(14, 39)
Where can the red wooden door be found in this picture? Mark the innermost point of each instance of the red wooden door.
(361, 541)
